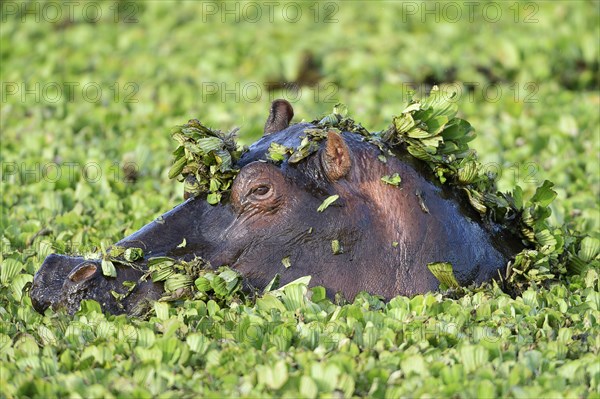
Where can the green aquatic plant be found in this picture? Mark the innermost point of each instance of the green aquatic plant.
(204, 160)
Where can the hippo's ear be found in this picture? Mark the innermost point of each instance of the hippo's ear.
(83, 272)
(335, 157)
(280, 115)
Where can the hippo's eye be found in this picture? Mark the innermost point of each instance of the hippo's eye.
(260, 191)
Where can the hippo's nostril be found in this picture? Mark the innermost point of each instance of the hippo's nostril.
(48, 281)
(83, 272)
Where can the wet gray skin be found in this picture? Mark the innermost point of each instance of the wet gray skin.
(272, 214)
(63, 281)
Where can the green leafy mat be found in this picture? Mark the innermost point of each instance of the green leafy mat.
(540, 57)
(204, 160)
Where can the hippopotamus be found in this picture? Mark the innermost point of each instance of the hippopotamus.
(375, 237)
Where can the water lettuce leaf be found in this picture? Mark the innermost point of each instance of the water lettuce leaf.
(204, 160)
(328, 201)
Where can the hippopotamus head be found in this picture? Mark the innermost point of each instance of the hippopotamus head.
(374, 237)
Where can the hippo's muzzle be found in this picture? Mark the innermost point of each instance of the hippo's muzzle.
(49, 280)
(63, 282)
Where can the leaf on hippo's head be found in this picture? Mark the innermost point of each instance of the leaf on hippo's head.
(468, 171)
(444, 273)
(328, 201)
(431, 131)
(108, 268)
(393, 180)
(213, 198)
(177, 281)
(476, 200)
(336, 247)
(177, 166)
(330, 120)
(306, 148)
(277, 152)
(133, 254)
(404, 123)
(340, 109)
(160, 268)
(204, 160)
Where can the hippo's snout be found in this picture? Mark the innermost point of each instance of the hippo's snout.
(62, 282)
(49, 279)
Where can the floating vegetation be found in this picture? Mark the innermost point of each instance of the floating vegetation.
(204, 160)
(195, 279)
